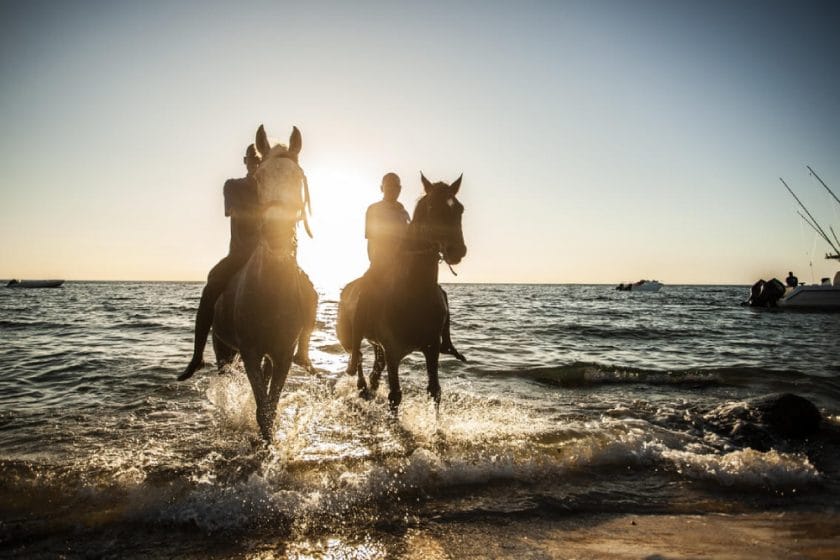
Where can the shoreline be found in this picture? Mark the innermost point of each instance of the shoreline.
(631, 536)
(762, 535)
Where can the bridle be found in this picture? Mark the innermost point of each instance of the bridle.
(433, 247)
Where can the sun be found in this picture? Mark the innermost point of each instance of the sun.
(337, 252)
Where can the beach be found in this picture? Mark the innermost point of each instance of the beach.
(782, 535)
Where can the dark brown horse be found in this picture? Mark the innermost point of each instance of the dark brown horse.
(270, 304)
(403, 309)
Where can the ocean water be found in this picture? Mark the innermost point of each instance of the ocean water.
(576, 400)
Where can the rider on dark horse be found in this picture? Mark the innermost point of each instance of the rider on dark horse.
(386, 223)
(242, 206)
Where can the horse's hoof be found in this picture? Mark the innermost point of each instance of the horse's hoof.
(304, 362)
(351, 368)
(191, 368)
(394, 400)
(365, 394)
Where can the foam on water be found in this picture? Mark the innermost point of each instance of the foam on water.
(336, 456)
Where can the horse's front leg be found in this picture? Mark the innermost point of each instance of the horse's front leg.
(257, 378)
(276, 381)
(432, 355)
(378, 366)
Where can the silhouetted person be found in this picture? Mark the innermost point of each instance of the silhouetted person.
(791, 281)
(242, 206)
(385, 225)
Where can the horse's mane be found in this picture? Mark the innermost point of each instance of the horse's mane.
(281, 182)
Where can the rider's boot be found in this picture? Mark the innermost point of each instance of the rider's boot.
(446, 346)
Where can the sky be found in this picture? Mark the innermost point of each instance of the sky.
(600, 142)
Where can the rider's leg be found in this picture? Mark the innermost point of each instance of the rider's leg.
(309, 307)
(446, 346)
(217, 279)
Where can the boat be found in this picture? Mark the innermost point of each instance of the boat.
(34, 283)
(646, 286)
(824, 296)
(641, 286)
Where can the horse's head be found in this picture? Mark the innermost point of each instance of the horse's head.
(437, 219)
(281, 183)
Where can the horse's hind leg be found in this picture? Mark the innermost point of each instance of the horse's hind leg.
(358, 326)
(355, 361)
(225, 354)
(360, 382)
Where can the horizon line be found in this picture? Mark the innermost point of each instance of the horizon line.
(445, 283)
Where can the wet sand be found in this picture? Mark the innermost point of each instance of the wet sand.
(759, 536)
(783, 535)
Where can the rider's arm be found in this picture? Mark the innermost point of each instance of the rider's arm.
(368, 219)
(229, 202)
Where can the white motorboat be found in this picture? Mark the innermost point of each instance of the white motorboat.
(646, 286)
(825, 296)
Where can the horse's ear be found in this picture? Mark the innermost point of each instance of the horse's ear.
(457, 184)
(427, 186)
(263, 146)
(295, 141)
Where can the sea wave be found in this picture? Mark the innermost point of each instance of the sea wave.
(593, 373)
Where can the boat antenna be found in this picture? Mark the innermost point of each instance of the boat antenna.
(815, 224)
(823, 184)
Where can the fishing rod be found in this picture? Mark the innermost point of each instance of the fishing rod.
(836, 254)
(823, 184)
(818, 228)
(815, 228)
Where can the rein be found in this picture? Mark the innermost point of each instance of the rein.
(430, 250)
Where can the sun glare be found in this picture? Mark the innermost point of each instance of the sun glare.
(337, 253)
